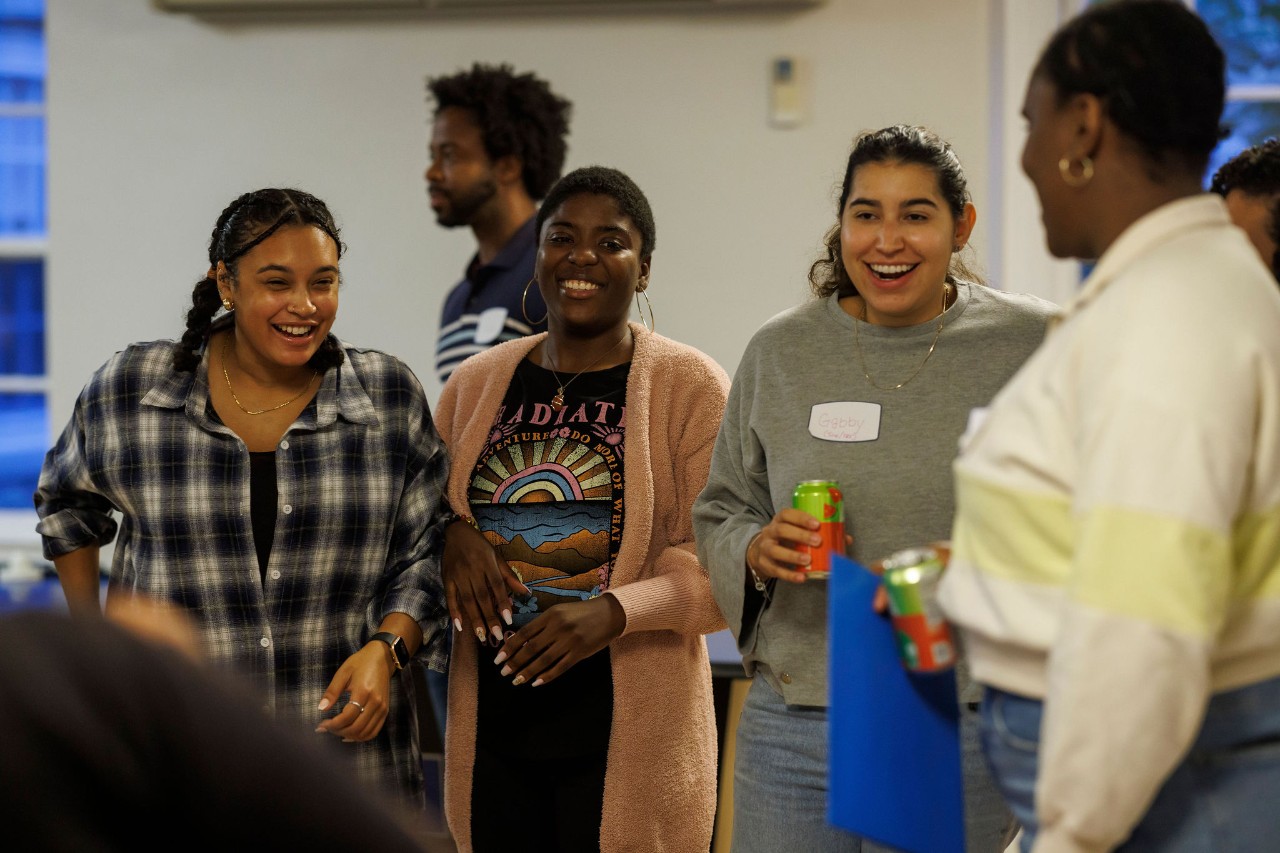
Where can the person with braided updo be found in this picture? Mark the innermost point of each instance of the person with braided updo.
(285, 487)
(1115, 570)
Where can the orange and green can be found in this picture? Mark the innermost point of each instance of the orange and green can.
(924, 639)
(821, 499)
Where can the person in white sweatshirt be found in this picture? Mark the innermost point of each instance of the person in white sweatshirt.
(1116, 563)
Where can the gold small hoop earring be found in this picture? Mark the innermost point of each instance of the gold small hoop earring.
(228, 304)
(525, 311)
(651, 325)
(1070, 178)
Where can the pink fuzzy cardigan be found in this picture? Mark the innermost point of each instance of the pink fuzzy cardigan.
(660, 783)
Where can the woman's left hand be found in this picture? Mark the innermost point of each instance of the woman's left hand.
(548, 646)
(366, 676)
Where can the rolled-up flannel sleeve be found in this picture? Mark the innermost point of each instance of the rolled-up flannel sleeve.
(73, 511)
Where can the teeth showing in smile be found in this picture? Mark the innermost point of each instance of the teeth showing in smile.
(578, 284)
(296, 331)
(891, 270)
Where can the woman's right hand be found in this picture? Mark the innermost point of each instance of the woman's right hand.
(772, 553)
(477, 582)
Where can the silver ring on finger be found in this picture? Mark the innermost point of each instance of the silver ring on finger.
(357, 704)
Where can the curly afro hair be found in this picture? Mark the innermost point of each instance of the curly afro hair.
(1254, 171)
(518, 115)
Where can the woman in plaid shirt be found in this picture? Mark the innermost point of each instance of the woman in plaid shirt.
(283, 486)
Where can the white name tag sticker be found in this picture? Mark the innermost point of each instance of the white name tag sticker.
(977, 417)
(489, 324)
(845, 421)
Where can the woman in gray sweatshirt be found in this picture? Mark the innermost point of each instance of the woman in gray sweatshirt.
(869, 384)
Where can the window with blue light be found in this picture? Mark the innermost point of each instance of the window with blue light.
(23, 405)
(1249, 32)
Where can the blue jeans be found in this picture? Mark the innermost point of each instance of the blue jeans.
(780, 779)
(1223, 798)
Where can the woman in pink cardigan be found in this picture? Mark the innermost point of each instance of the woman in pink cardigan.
(580, 716)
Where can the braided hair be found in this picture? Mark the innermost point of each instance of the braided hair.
(1158, 72)
(246, 222)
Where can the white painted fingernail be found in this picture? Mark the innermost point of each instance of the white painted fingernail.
(506, 616)
(324, 703)
(536, 683)
(500, 658)
(497, 633)
(457, 625)
(506, 670)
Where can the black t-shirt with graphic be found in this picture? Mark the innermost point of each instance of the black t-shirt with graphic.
(547, 493)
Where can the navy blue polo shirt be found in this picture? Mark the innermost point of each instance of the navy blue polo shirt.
(483, 309)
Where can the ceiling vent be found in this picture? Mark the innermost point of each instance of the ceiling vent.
(473, 7)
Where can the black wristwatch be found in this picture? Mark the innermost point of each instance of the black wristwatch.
(399, 654)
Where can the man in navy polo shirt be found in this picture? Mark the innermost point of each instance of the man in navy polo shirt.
(497, 146)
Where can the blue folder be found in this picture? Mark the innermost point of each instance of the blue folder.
(894, 735)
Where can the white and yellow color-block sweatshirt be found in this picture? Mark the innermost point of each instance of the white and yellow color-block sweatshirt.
(1117, 537)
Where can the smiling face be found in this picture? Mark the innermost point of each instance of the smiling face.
(285, 291)
(589, 266)
(897, 235)
(460, 178)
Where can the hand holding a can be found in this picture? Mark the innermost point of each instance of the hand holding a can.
(909, 592)
(880, 601)
(773, 553)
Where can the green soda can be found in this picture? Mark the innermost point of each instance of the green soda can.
(924, 638)
(821, 499)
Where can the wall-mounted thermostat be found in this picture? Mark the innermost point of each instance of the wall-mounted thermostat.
(786, 92)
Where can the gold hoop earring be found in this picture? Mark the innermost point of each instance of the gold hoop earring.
(651, 325)
(525, 311)
(228, 304)
(1070, 178)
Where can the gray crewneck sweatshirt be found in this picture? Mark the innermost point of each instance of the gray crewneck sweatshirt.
(891, 453)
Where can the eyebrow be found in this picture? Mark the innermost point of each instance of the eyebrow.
(283, 268)
(911, 202)
(604, 229)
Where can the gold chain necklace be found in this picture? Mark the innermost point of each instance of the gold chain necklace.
(557, 402)
(226, 348)
(857, 341)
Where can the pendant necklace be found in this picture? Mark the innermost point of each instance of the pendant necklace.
(557, 402)
(226, 348)
(857, 341)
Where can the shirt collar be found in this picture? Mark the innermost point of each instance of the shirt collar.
(1146, 235)
(340, 395)
(510, 254)
(179, 387)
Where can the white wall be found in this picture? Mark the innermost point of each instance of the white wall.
(157, 120)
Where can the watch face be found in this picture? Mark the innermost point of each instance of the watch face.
(398, 649)
(401, 653)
